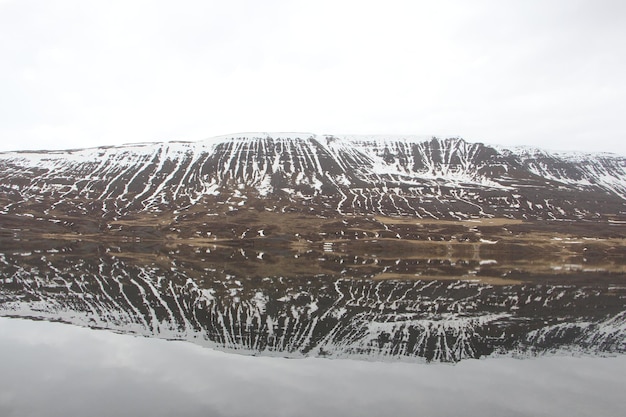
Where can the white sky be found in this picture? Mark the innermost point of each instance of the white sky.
(84, 73)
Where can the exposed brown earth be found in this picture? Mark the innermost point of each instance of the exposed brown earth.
(493, 250)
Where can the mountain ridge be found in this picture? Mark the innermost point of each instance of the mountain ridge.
(348, 136)
(390, 175)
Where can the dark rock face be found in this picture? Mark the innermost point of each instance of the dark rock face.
(444, 179)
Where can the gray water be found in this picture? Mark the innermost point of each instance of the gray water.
(94, 329)
(52, 369)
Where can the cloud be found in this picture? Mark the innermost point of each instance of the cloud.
(530, 72)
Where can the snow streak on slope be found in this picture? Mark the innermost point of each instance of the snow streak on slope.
(577, 169)
(347, 175)
(449, 160)
(445, 321)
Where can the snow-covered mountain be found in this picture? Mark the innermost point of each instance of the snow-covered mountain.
(434, 178)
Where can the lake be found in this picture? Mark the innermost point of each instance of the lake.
(149, 329)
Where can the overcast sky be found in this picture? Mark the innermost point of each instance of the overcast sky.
(87, 73)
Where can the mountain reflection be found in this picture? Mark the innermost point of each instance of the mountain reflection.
(314, 303)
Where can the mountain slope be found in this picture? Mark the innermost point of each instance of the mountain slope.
(435, 178)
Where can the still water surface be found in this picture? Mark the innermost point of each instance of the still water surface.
(236, 332)
(53, 369)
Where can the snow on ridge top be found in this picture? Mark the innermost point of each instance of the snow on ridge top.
(324, 139)
(125, 155)
(259, 135)
(74, 151)
(533, 152)
(387, 138)
(97, 153)
(382, 139)
(327, 138)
